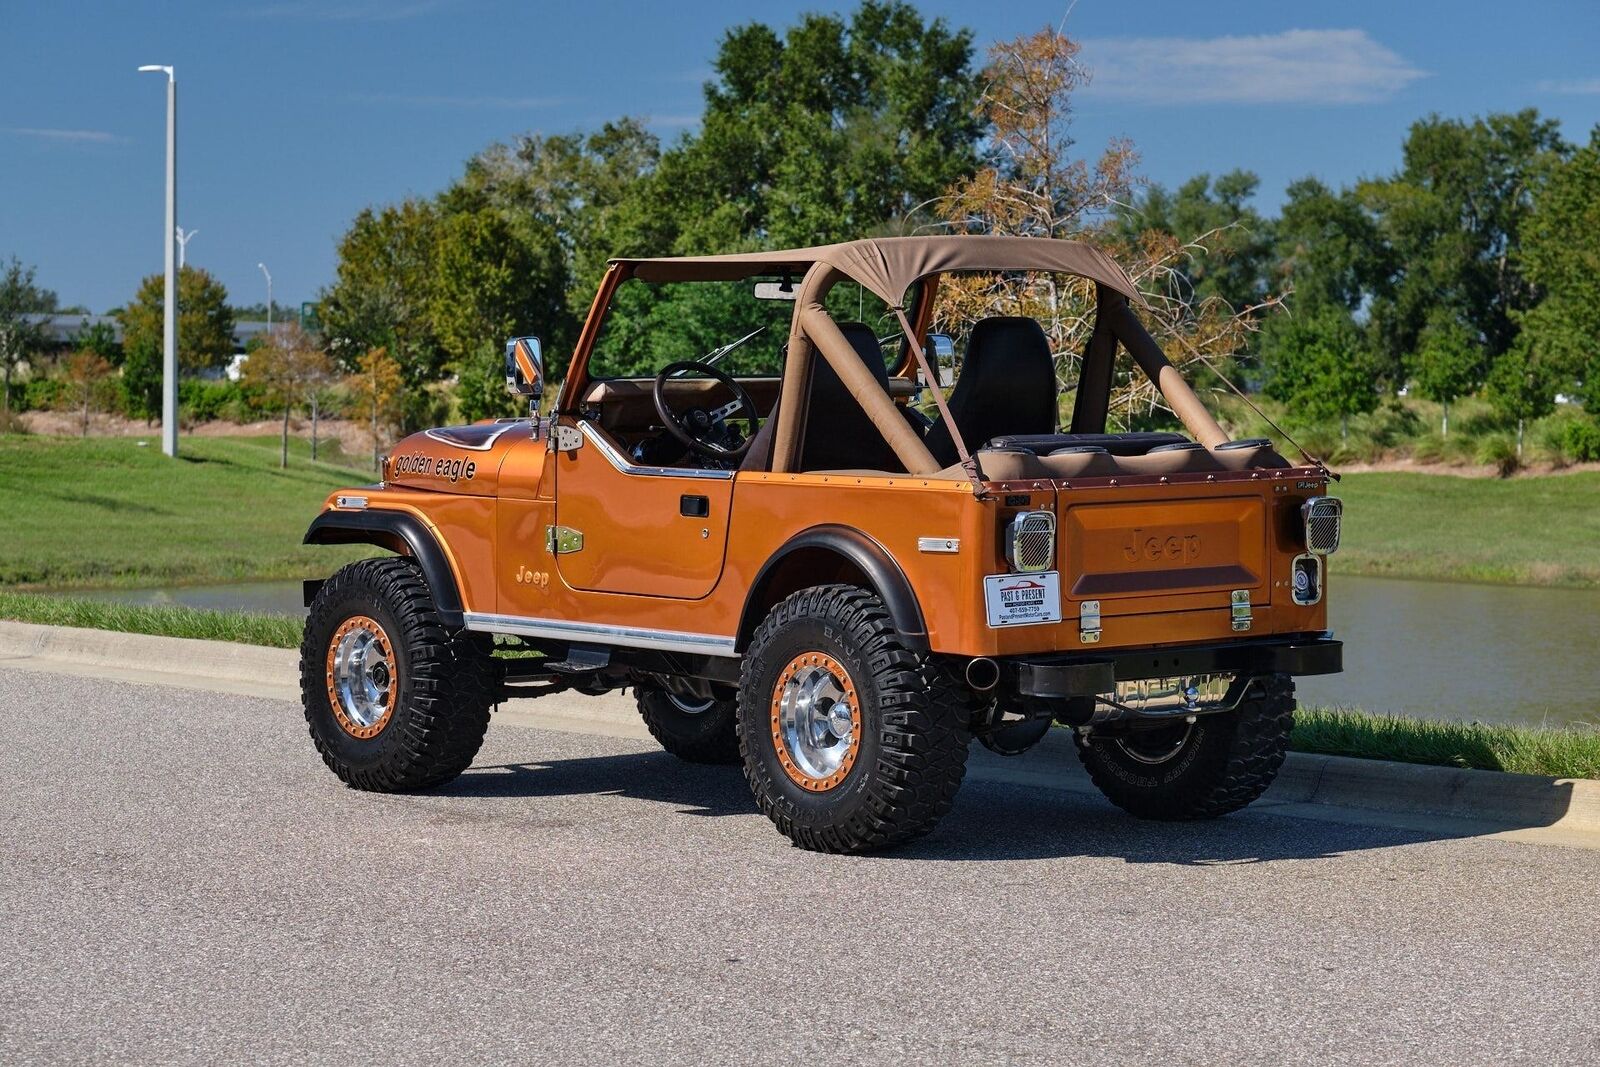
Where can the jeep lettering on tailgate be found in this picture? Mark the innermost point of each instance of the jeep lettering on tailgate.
(1148, 547)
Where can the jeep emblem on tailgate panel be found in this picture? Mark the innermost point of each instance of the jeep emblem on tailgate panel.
(1146, 546)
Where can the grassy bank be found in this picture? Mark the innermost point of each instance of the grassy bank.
(113, 511)
(108, 511)
(1525, 531)
(273, 631)
(1569, 753)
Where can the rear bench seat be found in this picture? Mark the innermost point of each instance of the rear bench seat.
(1171, 454)
(1117, 444)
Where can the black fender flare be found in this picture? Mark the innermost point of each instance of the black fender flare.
(868, 556)
(398, 531)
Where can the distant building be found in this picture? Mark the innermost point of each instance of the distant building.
(62, 332)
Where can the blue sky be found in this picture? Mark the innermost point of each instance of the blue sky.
(293, 115)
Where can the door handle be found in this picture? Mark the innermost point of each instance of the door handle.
(695, 507)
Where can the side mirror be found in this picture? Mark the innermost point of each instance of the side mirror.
(524, 367)
(942, 353)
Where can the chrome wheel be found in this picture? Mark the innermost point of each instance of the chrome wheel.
(1155, 747)
(816, 721)
(362, 676)
(690, 705)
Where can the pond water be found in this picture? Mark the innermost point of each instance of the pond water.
(1430, 649)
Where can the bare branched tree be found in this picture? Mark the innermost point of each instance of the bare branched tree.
(287, 369)
(1035, 186)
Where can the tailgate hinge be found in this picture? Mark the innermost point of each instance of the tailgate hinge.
(1241, 609)
(1089, 622)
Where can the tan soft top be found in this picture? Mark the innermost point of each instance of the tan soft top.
(889, 266)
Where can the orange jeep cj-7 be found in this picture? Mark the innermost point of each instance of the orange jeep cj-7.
(737, 509)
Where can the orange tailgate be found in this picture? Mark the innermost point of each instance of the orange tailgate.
(1119, 552)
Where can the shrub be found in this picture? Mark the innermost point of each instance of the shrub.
(1499, 450)
(201, 400)
(1393, 421)
(1429, 449)
(1579, 440)
(44, 394)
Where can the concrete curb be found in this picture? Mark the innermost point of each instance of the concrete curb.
(219, 666)
(1509, 805)
(1516, 806)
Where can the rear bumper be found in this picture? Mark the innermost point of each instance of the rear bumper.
(1077, 675)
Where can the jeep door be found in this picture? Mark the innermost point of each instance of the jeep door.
(624, 528)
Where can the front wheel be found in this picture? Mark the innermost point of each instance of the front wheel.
(394, 699)
(1200, 770)
(851, 740)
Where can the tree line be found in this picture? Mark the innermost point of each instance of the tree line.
(1471, 270)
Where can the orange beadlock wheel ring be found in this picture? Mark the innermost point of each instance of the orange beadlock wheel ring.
(816, 721)
(363, 677)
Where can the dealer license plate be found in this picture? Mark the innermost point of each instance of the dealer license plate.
(1023, 599)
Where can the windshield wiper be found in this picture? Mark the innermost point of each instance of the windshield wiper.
(718, 353)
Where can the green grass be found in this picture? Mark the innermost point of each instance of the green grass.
(273, 631)
(1524, 531)
(1559, 753)
(110, 512)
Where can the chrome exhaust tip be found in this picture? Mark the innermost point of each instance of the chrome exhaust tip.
(982, 674)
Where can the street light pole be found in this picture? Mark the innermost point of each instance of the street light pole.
(268, 273)
(183, 244)
(169, 326)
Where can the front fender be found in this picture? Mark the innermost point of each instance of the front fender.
(401, 533)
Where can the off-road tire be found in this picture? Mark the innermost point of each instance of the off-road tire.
(709, 736)
(913, 729)
(445, 680)
(1227, 760)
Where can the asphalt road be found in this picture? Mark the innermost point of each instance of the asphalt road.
(182, 882)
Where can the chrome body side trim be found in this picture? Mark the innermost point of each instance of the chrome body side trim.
(627, 636)
(627, 466)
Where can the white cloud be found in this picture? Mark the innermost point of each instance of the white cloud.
(493, 103)
(359, 11)
(1293, 67)
(1571, 86)
(70, 136)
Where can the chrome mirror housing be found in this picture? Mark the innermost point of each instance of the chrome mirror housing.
(525, 367)
(942, 354)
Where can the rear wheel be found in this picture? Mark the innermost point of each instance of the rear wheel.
(700, 729)
(394, 699)
(851, 741)
(1200, 770)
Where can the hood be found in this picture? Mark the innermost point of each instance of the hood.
(456, 459)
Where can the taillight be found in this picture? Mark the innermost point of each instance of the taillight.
(1031, 541)
(1324, 518)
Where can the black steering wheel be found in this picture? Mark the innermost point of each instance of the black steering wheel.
(694, 428)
